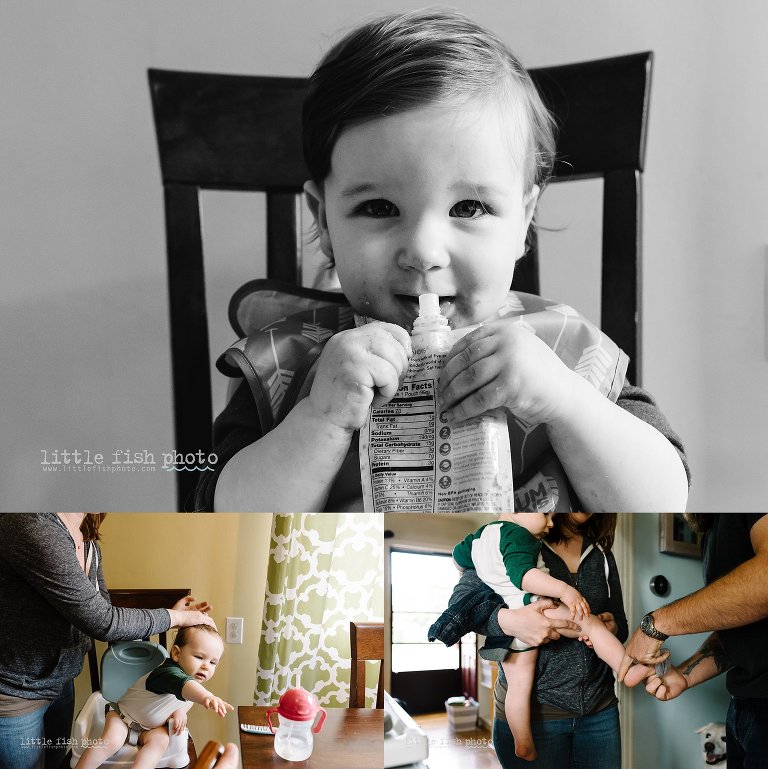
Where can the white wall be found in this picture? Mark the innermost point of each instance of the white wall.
(83, 300)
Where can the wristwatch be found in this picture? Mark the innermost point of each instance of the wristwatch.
(647, 626)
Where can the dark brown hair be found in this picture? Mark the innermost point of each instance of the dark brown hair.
(408, 60)
(599, 527)
(91, 525)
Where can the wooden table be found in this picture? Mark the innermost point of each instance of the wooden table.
(351, 738)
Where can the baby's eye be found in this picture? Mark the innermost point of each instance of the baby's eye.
(469, 209)
(378, 208)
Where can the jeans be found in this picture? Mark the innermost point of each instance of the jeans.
(746, 733)
(581, 742)
(38, 740)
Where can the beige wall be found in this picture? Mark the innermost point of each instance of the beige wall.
(223, 559)
(83, 302)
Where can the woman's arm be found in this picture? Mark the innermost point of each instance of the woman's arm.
(528, 623)
(44, 557)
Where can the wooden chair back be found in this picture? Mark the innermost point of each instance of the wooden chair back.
(243, 132)
(366, 641)
(142, 598)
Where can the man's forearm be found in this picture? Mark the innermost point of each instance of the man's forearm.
(707, 662)
(739, 598)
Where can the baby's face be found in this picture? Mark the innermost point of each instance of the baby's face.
(426, 201)
(538, 524)
(200, 655)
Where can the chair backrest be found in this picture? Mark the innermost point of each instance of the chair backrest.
(141, 598)
(241, 132)
(366, 640)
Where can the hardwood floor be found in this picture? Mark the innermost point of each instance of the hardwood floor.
(456, 750)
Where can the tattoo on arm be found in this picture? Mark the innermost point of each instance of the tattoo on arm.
(710, 648)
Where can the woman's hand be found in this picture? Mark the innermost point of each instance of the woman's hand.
(188, 612)
(189, 603)
(529, 624)
(359, 368)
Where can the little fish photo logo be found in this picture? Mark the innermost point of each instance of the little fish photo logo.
(124, 460)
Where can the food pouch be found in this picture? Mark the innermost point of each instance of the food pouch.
(413, 459)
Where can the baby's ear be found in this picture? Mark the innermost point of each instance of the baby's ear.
(175, 652)
(315, 197)
(530, 199)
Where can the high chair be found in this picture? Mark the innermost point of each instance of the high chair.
(242, 132)
(121, 665)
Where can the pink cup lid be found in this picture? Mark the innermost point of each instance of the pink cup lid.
(298, 705)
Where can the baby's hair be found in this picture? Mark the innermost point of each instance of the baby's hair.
(409, 60)
(181, 634)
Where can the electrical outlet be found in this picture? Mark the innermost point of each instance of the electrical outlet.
(234, 633)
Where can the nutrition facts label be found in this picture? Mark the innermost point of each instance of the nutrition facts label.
(401, 450)
(414, 460)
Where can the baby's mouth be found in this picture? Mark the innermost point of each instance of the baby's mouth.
(411, 304)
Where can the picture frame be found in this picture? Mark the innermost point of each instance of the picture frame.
(676, 536)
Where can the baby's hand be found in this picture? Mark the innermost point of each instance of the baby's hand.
(359, 368)
(576, 602)
(502, 363)
(179, 718)
(217, 705)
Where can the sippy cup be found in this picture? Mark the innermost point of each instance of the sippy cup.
(296, 711)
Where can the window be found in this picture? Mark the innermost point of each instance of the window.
(421, 586)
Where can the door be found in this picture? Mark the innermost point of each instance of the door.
(424, 674)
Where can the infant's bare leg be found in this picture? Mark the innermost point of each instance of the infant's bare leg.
(111, 741)
(153, 743)
(520, 668)
(606, 645)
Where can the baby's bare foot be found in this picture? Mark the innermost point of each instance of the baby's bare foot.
(637, 674)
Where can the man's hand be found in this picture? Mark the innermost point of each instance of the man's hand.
(672, 685)
(641, 648)
(530, 625)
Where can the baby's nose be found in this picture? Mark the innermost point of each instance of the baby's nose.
(423, 247)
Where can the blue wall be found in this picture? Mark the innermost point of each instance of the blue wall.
(664, 732)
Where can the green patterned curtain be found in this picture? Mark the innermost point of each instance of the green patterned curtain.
(325, 570)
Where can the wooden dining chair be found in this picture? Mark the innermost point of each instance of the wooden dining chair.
(243, 132)
(366, 640)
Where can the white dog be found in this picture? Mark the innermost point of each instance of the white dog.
(713, 744)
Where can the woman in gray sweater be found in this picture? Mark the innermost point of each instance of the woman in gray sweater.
(53, 599)
(574, 710)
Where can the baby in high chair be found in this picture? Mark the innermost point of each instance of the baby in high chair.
(428, 147)
(142, 714)
(506, 556)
